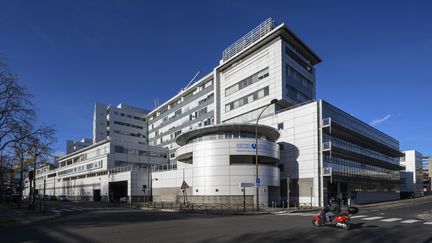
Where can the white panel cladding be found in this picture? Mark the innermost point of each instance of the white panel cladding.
(211, 172)
(269, 57)
(299, 138)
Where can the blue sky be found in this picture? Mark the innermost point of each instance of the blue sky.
(71, 54)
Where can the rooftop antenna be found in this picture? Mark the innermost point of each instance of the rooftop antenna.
(187, 86)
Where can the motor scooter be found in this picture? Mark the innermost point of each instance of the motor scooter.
(342, 220)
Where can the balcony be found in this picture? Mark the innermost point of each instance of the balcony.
(334, 149)
(341, 131)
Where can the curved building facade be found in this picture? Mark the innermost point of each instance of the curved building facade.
(214, 160)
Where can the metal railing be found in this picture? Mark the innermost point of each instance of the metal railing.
(248, 39)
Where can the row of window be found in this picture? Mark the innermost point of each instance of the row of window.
(295, 75)
(182, 99)
(247, 99)
(123, 150)
(80, 168)
(127, 125)
(137, 135)
(225, 135)
(85, 156)
(294, 54)
(358, 149)
(353, 168)
(129, 116)
(247, 81)
(205, 122)
(295, 94)
(181, 110)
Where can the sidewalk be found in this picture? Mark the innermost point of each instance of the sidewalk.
(394, 202)
(24, 216)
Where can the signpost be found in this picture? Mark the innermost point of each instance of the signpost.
(244, 185)
(183, 187)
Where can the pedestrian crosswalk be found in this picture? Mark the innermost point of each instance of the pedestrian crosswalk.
(366, 218)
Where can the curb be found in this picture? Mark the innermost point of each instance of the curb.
(204, 212)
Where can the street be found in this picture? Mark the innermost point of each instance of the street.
(403, 221)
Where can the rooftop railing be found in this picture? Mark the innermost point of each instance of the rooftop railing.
(248, 39)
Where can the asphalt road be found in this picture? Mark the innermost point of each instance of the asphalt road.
(407, 221)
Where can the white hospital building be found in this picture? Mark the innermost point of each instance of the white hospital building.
(208, 132)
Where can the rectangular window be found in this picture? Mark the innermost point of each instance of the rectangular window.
(280, 126)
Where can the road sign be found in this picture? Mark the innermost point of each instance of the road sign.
(258, 180)
(184, 185)
(246, 184)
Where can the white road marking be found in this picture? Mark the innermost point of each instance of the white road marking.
(77, 208)
(358, 216)
(66, 210)
(373, 218)
(55, 211)
(410, 221)
(390, 219)
(429, 223)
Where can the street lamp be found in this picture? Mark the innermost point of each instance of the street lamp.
(151, 188)
(274, 101)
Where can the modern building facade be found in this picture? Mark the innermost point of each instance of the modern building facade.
(309, 147)
(102, 171)
(323, 151)
(117, 164)
(123, 123)
(412, 175)
(192, 108)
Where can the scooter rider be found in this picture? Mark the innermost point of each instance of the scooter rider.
(334, 209)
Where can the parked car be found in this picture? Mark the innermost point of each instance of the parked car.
(123, 199)
(62, 198)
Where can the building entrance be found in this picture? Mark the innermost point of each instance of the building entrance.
(117, 190)
(96, 195)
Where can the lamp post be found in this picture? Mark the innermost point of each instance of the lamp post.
(274, 101)
(151, 188)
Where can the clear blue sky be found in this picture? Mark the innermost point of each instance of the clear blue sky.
(71, 54)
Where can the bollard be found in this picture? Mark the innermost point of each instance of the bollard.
(171, 205)
(162, 205)
(283, 204)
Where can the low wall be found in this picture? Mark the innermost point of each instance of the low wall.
(373, 197)
(173, 195)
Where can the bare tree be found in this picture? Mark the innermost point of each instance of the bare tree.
(20, 152)
(40, 150)
(16, 108)
(16, 114)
